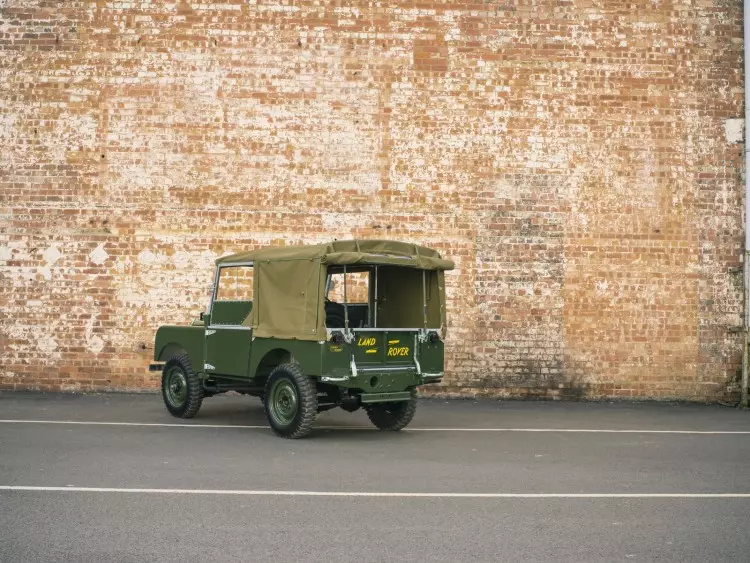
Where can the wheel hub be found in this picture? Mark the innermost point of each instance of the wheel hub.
(176, 387)
(283, 402)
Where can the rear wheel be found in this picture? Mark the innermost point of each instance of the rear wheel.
(392, 416)
(291, 401)
(181, 388)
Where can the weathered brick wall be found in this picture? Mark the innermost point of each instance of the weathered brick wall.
(573, 157)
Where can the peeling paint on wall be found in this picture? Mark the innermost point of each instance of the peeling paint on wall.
(99, 255)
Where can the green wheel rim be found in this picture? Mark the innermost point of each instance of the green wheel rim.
(282, 402)
(176, 387)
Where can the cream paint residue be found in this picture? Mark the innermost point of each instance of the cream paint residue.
(99, 255)
(94, 344)
(51, 255)
(47, 344)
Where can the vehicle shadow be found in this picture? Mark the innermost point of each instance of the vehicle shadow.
(335, 423)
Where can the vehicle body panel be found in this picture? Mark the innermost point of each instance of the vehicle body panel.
(228, 350)
(171, 339)
(307, 354)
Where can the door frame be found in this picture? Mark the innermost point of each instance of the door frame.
(214, 329)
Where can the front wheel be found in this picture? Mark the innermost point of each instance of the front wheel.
(181, 388)
(392, 416)
(291, 401)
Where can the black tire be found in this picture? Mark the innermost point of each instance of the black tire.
(392, 416)
(181, 389)
(290, 400)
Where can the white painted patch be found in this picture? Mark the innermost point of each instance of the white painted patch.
(181, 259)
(369, 428)
(340, 222)
(247, 492)
(94, 344)
(734, 130)
(602, 286)
(47, 344)
(147, 258)
(73, 131)
(8, 121)
(51, 255)
(6, 253)
(99, 255)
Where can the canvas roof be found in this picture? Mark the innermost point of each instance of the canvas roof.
(289, 283)
(386, 252)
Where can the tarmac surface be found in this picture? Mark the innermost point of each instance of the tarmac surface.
(113, 477)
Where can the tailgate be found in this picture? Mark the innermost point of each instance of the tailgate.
(384, 347)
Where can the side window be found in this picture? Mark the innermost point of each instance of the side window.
(357, 288)
(235, 284)
(357, 300)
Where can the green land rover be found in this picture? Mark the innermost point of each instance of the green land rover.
(350, 324)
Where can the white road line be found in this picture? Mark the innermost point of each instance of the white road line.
(241, 492)
(98, 423)
(579, 430)
(260, 427)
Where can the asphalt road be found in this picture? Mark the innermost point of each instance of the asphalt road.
(238, 493)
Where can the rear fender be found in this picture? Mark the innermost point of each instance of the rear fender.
(267, 353)
(269, 361)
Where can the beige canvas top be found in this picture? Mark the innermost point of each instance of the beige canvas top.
(384, 252)
(289, 281)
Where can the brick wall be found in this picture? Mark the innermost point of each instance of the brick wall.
(574, 158)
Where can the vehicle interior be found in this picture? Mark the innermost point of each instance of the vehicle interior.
(381, 296)
(352, 288)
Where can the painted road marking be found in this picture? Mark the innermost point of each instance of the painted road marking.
(591, 430)
(242, 492)
(261, 427)
(98, 423)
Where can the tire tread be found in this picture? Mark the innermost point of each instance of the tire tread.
(308, 401)
(194, 398)
(392, 422)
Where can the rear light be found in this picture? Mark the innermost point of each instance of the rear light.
(434, 337)
(337, 338)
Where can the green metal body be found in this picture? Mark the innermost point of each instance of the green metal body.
(171, 340)
(384, 360)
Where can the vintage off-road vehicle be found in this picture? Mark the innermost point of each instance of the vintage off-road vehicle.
(308, 328)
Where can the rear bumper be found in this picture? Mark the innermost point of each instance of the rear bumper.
(431, 378)
(421, 378)
(156, 366)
